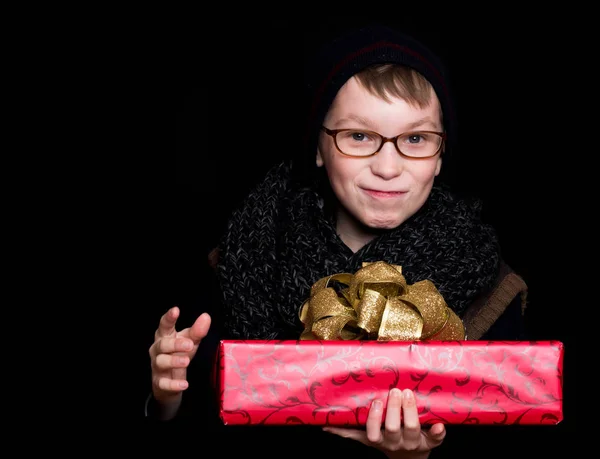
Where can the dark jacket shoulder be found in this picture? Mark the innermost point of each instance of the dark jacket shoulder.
(501, 308)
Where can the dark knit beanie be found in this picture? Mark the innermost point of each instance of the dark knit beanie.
(357, 49)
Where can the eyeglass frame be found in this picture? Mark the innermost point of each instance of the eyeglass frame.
(334, 132)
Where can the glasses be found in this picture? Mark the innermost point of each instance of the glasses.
(414, 145)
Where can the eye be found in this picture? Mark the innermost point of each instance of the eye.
(358, 136)
(415, 138)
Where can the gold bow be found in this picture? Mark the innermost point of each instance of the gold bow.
(377, 303)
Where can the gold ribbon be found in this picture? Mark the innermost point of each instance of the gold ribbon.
(377, 303)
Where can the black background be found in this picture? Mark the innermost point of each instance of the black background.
(520, 110)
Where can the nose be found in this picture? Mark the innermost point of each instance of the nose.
(388, 163)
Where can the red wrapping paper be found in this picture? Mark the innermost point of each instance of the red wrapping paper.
(334, 382)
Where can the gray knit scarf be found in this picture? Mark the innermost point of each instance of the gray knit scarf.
(282, 240)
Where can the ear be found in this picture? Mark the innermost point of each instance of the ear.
(319, 158)
(438, 166)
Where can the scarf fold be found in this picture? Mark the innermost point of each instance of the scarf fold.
(281, 240)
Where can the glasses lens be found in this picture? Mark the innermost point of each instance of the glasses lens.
(419, 144)
(358, 143)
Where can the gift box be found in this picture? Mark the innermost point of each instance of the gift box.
(333, 382)
(370, 331)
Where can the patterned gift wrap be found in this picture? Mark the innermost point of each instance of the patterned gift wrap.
(333, 382)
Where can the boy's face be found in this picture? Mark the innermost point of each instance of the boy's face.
(384, 190)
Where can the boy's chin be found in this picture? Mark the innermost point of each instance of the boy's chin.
(382, 224)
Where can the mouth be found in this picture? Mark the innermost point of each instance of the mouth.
(384, 194)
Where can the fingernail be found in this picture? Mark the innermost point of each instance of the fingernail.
(395, 392)
(183, 384)
(437, 429)
(408, 394)
(377, 405)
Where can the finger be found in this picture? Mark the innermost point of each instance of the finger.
(171, 345)
(169, 362)
(171, 385)
(411, 434)
(435, 435)
(373, 427)
(179, 373)
(199, 329)
(393, 415)
(354, 434)
(166, 326)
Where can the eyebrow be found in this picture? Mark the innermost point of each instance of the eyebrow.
(421, 122)
(359, 119)
(368, 123)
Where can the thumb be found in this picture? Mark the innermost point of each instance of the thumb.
(199, 329)
(436, 434)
